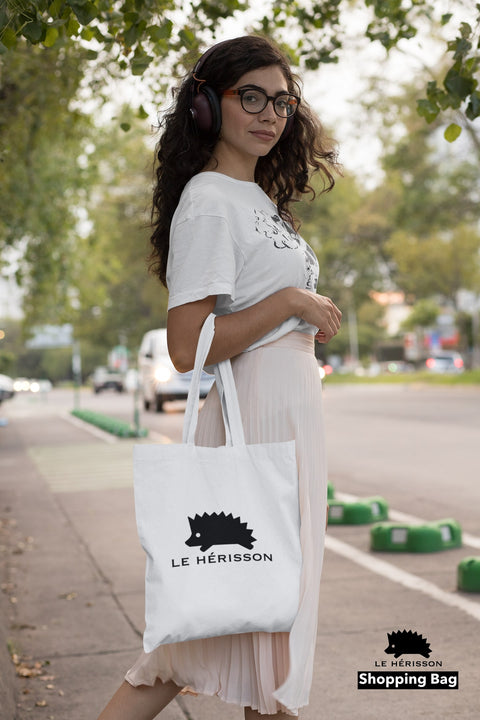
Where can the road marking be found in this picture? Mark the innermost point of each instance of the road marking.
(85, 466)
(391, 572)
(88, 466)
(467, 539)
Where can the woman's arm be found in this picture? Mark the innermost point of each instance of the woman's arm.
(237, 331)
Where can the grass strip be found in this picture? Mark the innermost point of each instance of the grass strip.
(109, 424)
(469, 377)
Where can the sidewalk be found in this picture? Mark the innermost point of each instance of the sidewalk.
(72, 573)
(66, 626)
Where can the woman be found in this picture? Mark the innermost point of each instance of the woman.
(238, 146)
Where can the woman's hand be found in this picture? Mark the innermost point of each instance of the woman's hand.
(321, 312)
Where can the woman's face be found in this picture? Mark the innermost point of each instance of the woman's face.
(247, 136)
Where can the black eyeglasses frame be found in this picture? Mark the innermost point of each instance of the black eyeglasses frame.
(242, 90)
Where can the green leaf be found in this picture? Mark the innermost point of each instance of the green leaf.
(51, 37)
(55, 8)
(84, 11)
(9, 38)
(187, 37)
(87, 34)
(125, 126)
(452, 132)
(427, 109)
(140, 62)
(72, 27)
(131, 36)
(160, 32)
(458, 85)
(473, 109)
(33, 31)
(107, 39)
(471, 65)
(446, 18)
(461, 46)
(142, 113)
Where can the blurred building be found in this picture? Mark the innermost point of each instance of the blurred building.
(396, 311)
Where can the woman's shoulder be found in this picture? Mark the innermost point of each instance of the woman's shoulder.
(213, 193)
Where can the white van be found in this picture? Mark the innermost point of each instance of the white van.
(158, 379)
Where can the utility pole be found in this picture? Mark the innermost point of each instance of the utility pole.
(77, 373)
(476, 334)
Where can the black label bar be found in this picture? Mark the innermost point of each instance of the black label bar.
(388, 680)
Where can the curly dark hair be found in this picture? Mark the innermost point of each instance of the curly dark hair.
(182, 152)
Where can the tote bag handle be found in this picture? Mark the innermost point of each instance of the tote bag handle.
(226, 389)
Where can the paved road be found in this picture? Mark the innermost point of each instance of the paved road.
(417, 447)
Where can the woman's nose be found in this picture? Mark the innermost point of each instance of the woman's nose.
(268, 112)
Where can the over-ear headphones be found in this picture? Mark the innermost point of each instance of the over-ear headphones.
(205, 104)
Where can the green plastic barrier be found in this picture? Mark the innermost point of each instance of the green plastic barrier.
(330, 491)
(430, 537)
(451, 533)
(379, 508)
(468, 574)
(360, 512)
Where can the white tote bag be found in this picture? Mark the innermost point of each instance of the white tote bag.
(220, 527)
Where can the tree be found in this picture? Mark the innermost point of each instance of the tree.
(423, 314)
(428, 198)
(73, 202)
(343, 236)
(437, 264)
(42, 134)
(138, 33)
(335, 226)
(118, 301)
(370, 332)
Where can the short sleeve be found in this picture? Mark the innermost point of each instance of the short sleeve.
(203, 260)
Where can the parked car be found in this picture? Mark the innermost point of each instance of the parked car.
(6, 388)
(40, 386)
(32, 385)
(104, 378)
(158, 379)
(445, 361)
(21, 384)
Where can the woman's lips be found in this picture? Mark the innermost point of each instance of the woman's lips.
(263, 135)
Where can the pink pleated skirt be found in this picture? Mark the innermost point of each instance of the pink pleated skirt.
(280, 396)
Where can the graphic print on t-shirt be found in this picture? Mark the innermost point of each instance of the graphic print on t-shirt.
(284, 236)
(276, 229)
(311, 269)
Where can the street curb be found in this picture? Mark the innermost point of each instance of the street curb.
(88, 427)
(8, 698)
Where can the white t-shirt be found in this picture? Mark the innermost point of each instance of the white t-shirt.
(227, 239)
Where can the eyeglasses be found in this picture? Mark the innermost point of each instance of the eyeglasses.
(254, 100)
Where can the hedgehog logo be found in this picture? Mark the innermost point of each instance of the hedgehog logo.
(407, 643)
(218, 529)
